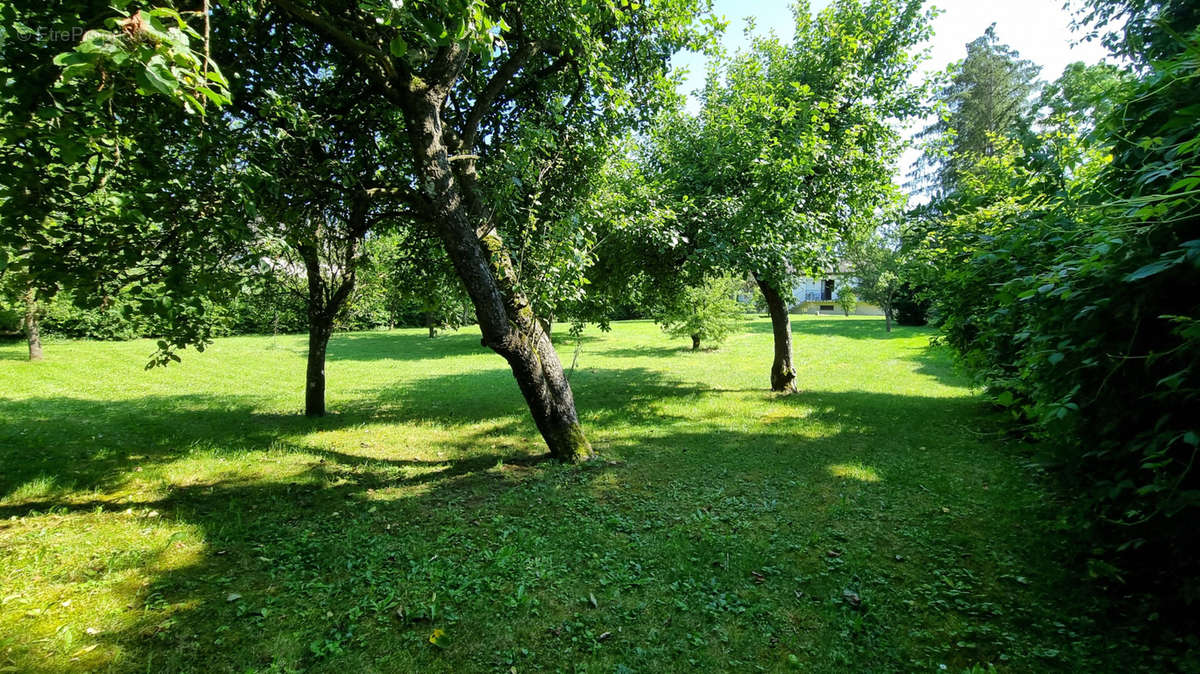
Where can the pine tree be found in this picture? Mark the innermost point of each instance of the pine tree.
(990, 94)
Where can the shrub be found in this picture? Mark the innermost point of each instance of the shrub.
(706, 312)
(1078, 307)
(847, 301)
(910, 305)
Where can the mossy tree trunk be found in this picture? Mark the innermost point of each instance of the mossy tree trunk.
(506, 320)
(444, 190)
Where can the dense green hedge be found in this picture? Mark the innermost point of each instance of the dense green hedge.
(267, 306)
(1076, 303)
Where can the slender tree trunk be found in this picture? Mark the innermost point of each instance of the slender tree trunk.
(33, 330)
(429, 324)
(887, 314)
(783, 373)
(695, 342)
(325, 301)
(506, 320)
(319, 330)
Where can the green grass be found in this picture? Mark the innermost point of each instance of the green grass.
(190, 519)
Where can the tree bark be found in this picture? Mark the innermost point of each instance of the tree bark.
(33, 331)
(695, 342)
(429, 324)
(325, 301)
(446, 188)
(783, 373)
(887, 319)
(319, 330)
(506, 320)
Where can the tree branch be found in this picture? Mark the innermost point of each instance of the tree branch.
(494, 88)
(386, 72)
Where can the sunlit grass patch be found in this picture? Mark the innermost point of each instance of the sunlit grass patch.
(854, 471)
(40, 487)
(77, 585)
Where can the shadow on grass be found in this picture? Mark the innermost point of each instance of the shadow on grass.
(392, 345)
(81, 444)
(336, 549)
(332, 552)
(937, 362)
(647, 351)
(840, 326)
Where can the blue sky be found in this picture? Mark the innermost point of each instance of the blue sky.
(1038, 29)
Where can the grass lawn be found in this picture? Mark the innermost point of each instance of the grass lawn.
(190, 519)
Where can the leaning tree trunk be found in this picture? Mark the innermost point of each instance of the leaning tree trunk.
(506, 320)
(319, 330)
(783, 373)
(33, 330)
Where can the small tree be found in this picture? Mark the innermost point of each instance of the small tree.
(878, 264)
(847, 301)
(706, 312)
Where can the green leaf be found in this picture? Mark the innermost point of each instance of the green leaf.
(398, 46)
(159, 76)
(1150, 270)
(70, 58)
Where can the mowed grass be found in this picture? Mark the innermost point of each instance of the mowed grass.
(190, 519)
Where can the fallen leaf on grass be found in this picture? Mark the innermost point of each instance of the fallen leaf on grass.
(438, 638)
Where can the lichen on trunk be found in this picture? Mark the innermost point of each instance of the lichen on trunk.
(483, 263)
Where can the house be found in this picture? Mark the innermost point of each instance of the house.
(819, 295)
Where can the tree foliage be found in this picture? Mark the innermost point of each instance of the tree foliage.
(846, 300)
(989, 97)
(791, 152)
(1067, 277)
(879, 264)
(707, 312)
